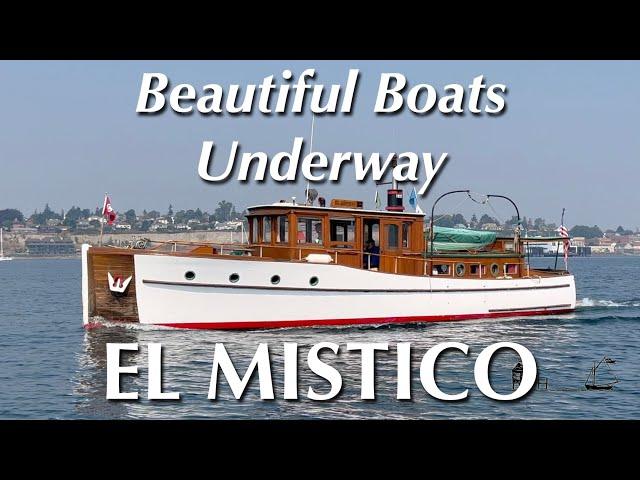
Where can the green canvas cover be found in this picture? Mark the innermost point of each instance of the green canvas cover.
(447, 239)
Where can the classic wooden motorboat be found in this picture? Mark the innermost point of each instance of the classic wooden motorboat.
(310, 265)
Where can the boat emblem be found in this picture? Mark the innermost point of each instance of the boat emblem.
(118, 284)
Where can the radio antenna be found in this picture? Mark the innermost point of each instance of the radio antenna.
(313, 121)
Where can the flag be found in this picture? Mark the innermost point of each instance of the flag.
(413, 201)
(413, 198)
(107, 210)
(564, 233)
(377, 201)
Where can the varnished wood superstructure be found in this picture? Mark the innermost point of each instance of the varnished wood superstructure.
(400, 237)
(288, 232)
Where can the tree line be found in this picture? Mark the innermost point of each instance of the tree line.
(224, 212)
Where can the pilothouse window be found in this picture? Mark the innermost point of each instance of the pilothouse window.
(283, 229)
(310, 230)
(406, 230)
(266, 230)
(392, 236)
(255, 230)
(343, 232)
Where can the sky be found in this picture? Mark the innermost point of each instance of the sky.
(569, 137)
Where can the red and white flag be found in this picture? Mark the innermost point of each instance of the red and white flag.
(107, 210)
(566, 244)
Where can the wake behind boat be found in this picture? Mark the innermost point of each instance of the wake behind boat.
(311, 265)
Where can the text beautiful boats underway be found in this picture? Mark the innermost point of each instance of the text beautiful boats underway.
(310, 265)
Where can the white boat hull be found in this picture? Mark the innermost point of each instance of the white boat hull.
(342, 296)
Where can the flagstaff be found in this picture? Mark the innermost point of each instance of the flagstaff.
(104, 205)
(107, 214)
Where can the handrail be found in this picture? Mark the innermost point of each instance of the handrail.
(425, 267)
(231, 246)
(468, 192)
(433, 208)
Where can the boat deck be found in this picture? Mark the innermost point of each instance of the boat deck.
(481, 265)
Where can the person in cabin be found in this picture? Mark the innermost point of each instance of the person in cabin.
(317, 234)
(372, 255)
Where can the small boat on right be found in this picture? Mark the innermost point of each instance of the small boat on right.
(591, 383)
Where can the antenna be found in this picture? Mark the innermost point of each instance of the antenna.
(313, 121)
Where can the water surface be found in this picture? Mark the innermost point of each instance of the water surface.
(52, 368)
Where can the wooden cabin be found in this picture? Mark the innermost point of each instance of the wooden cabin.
(287, 231)
(291, 232)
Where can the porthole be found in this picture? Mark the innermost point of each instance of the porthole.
(460, 269)
(275, 279)
(189, 275)
(234, 277)
(495, 269)
(313, 281)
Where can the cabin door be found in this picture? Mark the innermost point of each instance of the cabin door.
(370, 232)
(390, 244)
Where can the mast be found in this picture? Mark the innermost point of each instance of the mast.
(1, 244)
(104, 203)
(555, 264)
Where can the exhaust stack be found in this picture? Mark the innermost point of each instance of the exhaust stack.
(394, 194)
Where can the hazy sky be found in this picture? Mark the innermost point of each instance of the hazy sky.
(569, 137)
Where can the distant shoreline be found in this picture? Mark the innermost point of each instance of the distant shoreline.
(45, 257)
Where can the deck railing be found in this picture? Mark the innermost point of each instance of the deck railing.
(416, 264)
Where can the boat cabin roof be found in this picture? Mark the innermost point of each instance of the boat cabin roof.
(274, 208)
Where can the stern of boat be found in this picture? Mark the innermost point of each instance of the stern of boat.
(108, 284)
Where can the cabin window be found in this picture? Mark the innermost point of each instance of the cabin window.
(342, 232)
(372, 232)
(310, 230)
(440, 270)
(392, 236)
(255, 230)
(495, 269)
(283, 229)
(406, 232)
(474, 269)
(460, 269)
(508, 246)
(266, 229)
(511, 269)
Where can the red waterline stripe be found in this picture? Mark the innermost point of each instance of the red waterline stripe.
(359, 321)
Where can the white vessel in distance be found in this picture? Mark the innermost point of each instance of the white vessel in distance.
(2, 257)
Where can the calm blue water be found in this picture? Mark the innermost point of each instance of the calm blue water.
(50, 367)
